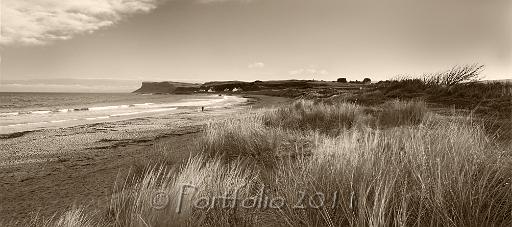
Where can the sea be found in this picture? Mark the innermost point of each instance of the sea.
(31, 111)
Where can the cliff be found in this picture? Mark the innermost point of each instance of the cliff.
(167, 87)
(277, 87)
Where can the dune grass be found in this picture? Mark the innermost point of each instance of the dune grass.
(457, 87)
(76, 216)
(441, 173)
(249, 139)
(135, 205)
(308, 115)
(417, 170)
(397, 113)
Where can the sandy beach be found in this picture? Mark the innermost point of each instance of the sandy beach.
(47, 171)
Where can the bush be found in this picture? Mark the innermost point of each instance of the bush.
(455, 75)
(367, 80)
(342, 80)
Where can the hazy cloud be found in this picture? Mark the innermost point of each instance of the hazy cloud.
(69, 85)
(308, 72)
(35, 22)
(256, 65)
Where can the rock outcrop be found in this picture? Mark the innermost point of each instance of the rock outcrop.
(167, 87)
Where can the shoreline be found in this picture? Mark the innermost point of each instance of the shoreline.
(72, 165)
(58, 116)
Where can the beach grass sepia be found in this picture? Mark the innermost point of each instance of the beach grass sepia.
(400, 166)
(155, 113)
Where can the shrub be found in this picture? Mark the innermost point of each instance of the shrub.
(367, 80)
(404, 84)
(342, 80)
(455, 75)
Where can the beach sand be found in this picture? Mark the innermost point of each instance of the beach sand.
(47, 171)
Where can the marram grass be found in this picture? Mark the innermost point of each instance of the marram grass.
(329, 166)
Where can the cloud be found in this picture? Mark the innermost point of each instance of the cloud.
(39, 22)
(308, 72)
(256, 65)
(69, 85)
(66, 88)
(296, 72)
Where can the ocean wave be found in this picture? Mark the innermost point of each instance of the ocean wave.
(142, 112)
(9, 114)
(148, 105)
(66, 110)
(40, 112)
(70, 110)
(96, 118)
(58, 121)
(142, 104)
(108, 107)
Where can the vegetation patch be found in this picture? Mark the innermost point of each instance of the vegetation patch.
(415, 171)
(249, 139)
(307, 115)
(396, 113)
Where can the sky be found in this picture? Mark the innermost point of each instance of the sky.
(113, 45)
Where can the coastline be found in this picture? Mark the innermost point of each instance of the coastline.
(63, 112)
(46, 170)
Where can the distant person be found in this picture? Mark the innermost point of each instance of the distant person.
(202, 108)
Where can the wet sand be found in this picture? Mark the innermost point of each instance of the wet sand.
(47, 171)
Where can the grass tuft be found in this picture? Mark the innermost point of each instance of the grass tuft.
(248, 139)
(397, 113)
(308, 115)
(136, 205)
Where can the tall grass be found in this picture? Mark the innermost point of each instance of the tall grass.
(458, 87)
(76, 216)
(247, 138)
(135, 205)
(417, 171)
(442, 173)
(396, 113)
(308, 115)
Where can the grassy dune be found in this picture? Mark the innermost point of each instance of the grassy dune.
(324, 165)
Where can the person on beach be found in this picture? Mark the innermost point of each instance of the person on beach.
(202, 108)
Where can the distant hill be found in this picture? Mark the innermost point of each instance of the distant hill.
(167, 87)
(284, 87)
